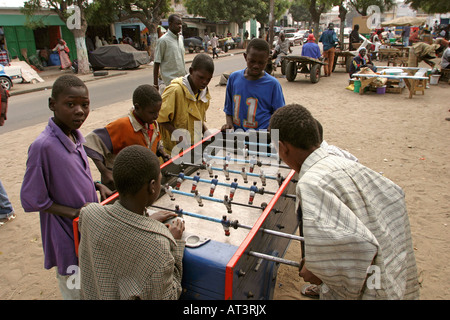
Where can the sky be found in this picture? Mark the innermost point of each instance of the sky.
(11, 3)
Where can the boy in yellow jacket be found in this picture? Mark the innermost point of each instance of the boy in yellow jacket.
(184, 104)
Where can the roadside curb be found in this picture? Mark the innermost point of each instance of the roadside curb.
(95, 78)
(50, 85)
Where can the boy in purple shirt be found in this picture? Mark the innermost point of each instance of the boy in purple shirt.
(58, 181)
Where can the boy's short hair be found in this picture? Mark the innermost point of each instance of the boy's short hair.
(64, 82)
(146, 95)
(295, 125)
(258, 44)
(203, 61)
(134, 167)
(172, 17)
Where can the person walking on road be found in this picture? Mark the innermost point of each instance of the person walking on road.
(169, 55)
(214, 45)
(329, 40)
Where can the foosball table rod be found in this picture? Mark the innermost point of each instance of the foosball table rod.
(217, 200)
(230, 223)
(224, 184)
(274, 259)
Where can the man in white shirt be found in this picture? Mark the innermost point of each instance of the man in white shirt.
(355, 224)
(169, 54)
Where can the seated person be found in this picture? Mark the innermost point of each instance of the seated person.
(252, 95)
(282, 48)
(184, 106)
(445, 64)
(123, 253)
(360, 61)
(139, 127)
(311, 48)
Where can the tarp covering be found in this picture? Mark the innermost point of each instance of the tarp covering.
(404, 21)
(121, 56)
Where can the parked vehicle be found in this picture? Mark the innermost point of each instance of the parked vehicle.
(193, 44)
(10, 75)
(292, 38)
(119, 56)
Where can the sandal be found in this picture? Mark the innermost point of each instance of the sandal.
(311, 291)
(9, 218)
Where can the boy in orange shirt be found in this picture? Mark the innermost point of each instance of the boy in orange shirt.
(138, 128)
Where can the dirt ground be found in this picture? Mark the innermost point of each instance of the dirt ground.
(406, 139)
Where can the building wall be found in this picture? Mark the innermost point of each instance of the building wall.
(19, 37)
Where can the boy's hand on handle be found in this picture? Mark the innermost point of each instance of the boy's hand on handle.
(176, 228)
(162, 216)
(226, 127)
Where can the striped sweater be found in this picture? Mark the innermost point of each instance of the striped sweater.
(356, 229)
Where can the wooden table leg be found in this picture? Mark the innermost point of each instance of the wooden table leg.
(364, 84)
(409, 83)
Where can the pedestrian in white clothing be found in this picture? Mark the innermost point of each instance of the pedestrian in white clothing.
(357, 235)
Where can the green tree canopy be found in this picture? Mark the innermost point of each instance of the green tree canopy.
(430, 6)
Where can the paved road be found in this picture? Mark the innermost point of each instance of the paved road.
(32, 108)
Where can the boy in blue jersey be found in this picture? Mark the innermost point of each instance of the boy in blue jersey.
(252, 95)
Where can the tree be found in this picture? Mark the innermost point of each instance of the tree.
(316, 8)
(300, 11)
(263, 10)
(149, 12)
(238, 11)
(430, 6)
(361, 6)
(73, 17)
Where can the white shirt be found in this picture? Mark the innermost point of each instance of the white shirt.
(331, 149)
(355, 219)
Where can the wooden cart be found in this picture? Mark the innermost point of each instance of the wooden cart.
(301, 64)
(343, 58)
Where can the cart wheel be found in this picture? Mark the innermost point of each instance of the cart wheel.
(315, 73)
(283, 66)
(291, 71)
(348, 64)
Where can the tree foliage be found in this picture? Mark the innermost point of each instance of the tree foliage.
(361, 6)
(238, 11)
(430, 6)
(63, 9)
(300, 11)
(149, 12)
(263, 9)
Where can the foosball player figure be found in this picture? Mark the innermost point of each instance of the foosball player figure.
(168, 190)
(279, 179)
(227, 159)
(263, 178)
(226, 172)
(214, 183)
(198, 198)
(180, 179)
(196, 179)
(252, 163)
(233, 187)
(178, 211)
(244, 175)
(253, 191)
(227, 203)
(210, 170)
(226, 226)
(246, 151)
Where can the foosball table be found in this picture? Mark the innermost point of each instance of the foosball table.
(237, 199)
